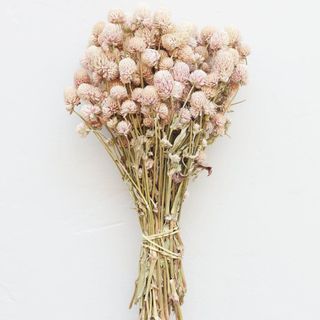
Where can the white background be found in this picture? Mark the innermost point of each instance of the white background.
(69, 238)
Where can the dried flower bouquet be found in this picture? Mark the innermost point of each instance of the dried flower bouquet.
(155, 95)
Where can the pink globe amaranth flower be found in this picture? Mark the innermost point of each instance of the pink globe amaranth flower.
(137, 94)
(149, 96)
(166, 63)
(110, 103)
(223, 64)
(198, 101)
(205, 35)
(186, 54)
(107, 113)
(82, 129)
(112, 35)
(184, 116)
(202, 51)
(212, 79)
(150, 57)
(71, 97)
(233, 34)
(90, 112)
(198, 78)
(127, 67)
(128, 107)
(148, 122)
(89, 93)
(181, 72)
(116, 16)
(145, 110)
(243, 49)
(240, 74)
(81, 76)
(162, 111)
(110, 71)
(219, 39)
(177, 90)
(162, 19)
(142, 17)
(163, 81)
(170, 41)
(136, 44)
(123, 127)
(118, 93)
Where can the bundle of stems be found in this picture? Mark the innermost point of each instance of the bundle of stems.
(155, 108)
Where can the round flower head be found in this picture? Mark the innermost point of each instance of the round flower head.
(98, 28)
(243, 49)
(212, 79)
(71, 98)
(234, 35)
(205, 35)
(170, 41)
(128, 107)
(148, 122)
(166, 63)
(110, 71)
(112, 35)
(219, 39)
(198, 101)
(184, 116)
(127, 67)
(89, 93)
(90, 112)
(142, 17)
(123, 127)
(116, 16)
(235, 54)
(81, 76)
(240, 74)
(107, 113)
(118, 93)
(163, 81)
(181, 72)
(150, 57)
(177, 90)
(186, 54)
(223, 64)
(198, 78)
(219, 120)
(162, 111)
(136, 44)
(110, 103)
(82, 129)
(137, 94)
(162, 19)
(149, 96)
(202, 51)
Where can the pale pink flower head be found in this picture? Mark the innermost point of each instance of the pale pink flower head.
(71, 98)
(181, 72)
(90, 112)
(223, 64)
(107, 113)
(110, 71)
(137, 94)
(243, 49)
(128, 107)
(198, 101)
(81, 76)
(127, 67)
(136, 44)
(148, 122)
(98, 28)
(240, 74)
(82, 129)
(219, 39)
(162, 111)
(116, 16)
(198, 78)
(177, 90)
(112, 35)
(89, 93)
(150, 57)
(186, 54)
(184, 116)
(142, 17)
(162, 19)
(219, 120)
(163, 81)
(205, 35)
(123, 127)
(202, 51)
(170, 41)
(234, 35)
(149, 96)
(118, 93)
(166, 63)
(110, 103)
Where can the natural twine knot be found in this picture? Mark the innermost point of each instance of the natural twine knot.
(148, 242)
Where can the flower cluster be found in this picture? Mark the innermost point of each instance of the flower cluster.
(156, 94)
